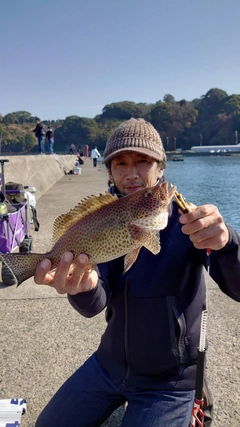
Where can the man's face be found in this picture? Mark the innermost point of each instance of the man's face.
(132, 171)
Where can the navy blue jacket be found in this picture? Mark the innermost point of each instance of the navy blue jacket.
(154, 310)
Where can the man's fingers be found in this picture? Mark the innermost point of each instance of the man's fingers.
(41, 273)
(83, 259)
(66, 259)
(79, 268)
(68, 276)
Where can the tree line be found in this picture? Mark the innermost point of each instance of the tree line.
(212, 119)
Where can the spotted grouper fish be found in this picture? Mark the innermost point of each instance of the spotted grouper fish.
(104, 227)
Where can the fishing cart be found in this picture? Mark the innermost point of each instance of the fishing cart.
(17, 216)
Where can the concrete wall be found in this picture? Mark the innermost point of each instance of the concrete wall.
(39, 171)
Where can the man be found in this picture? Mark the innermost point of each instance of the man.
(40, 134)
(72, 149)
(94, 155)
(147, 355)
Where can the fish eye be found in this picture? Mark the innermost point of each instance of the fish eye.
(148, 193)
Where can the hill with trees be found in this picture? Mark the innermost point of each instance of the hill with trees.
(212, 119)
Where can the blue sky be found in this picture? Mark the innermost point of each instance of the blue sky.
(72, 57)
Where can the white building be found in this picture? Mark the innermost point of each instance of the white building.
(215, 149)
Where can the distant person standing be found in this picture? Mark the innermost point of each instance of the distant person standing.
(72, 149)
(40, 135)
(80, 157)
(87, 150)
(50, 139)
(94, 155)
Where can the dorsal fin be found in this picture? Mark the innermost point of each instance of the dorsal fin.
(85, 207)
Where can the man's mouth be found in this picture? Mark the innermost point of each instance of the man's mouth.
(132, 188)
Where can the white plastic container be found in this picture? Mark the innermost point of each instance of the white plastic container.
(78, 171)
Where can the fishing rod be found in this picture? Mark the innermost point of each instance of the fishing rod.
(60, 163)
(197, 411)
(197, 418)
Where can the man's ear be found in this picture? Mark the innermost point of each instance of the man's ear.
(110, 176)
(160, 173)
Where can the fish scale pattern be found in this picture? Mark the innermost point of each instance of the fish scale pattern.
(104, 227)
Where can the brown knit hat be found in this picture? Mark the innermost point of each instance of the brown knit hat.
(135, 135)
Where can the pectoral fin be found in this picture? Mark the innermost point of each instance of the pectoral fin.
(146, 238)
(149, 240)
(130, 259)
(152, 243)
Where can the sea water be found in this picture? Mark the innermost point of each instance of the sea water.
(209, 179)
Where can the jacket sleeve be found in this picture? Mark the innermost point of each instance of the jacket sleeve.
(90, 303)
(225, 266)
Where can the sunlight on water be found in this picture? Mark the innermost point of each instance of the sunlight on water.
(210, 179)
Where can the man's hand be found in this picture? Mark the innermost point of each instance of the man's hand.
(205, 227)
(66, 279)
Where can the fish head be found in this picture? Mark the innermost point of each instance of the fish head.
(149, 206)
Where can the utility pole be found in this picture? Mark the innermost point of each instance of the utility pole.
(1, 144)
(167, 139)
(200, 139)
(175, 144)
(236, 137)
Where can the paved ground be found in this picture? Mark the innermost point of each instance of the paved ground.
(38, 348)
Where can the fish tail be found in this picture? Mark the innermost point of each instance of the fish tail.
(22, 265)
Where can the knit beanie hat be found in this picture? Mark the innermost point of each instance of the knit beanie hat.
(135, 135)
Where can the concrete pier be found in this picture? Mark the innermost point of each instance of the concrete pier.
(39, 171)
(43, 340)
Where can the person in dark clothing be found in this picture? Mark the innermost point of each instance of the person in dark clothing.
(80, 157)
(148, 353)
(40, 135)
(50, 139)
(72, 149)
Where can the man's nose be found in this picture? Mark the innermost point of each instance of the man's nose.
(132, 172)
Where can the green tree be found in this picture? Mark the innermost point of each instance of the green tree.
(169, 98)
(124, 111)
(196, 102)
(6, 139)
(9, 118)
(30, 141)
(171, 119)
(21, 116)
(235, 123)
(212, 102)
(215, 116)
(232, 105)
(160, 116)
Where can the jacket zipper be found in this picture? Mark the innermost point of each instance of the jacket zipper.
(126, 330)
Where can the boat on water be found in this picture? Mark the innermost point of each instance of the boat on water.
(176, 158)
(216, 149)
